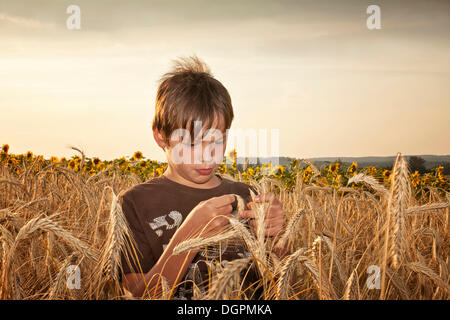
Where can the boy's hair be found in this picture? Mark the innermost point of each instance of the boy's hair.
(187, 93)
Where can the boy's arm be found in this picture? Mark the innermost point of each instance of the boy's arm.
(207, 218)
(172, 267)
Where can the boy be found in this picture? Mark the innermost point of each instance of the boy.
(192, 114)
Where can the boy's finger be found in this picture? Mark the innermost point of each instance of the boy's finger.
(224, 200)
(276, 222)
(265, 197)
(224, 210)
(247, 214)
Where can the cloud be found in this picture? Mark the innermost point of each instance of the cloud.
(25, 22)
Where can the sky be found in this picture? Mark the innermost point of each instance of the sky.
(310, 69)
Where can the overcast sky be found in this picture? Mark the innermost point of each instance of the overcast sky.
(311, 69)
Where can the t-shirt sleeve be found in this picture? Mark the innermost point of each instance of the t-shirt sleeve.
(138, 255)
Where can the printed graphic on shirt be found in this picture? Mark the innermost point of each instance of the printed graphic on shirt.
(214, 252)
(161, 221)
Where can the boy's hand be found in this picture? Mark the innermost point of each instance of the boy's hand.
(208, 217)
(274, 220)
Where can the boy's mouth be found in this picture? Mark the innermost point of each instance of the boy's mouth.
(204, 172)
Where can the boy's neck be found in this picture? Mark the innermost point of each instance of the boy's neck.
(211, 183)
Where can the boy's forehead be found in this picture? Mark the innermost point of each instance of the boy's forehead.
(203, 128)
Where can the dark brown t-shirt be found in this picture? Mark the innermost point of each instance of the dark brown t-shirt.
(154, 211)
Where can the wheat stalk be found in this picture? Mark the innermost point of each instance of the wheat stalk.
(369, 181)
(398, 202)
(227, 280)
(427, 207)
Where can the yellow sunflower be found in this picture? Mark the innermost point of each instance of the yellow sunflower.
(415, 178)
(12, 161)
(371, 171)
(5, 148)
(96, 162)
(307, 173)
(352, 169)
(159, 171)
(53, 159)
(72, 164)
(137, 156)
(334, 167)
(29, 155)
(232, 154)
(439, 172)
(277, 171)
(387, 174)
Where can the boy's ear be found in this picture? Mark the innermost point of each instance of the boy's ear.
(159, 138)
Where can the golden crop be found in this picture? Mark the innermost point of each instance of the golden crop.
(342, 221)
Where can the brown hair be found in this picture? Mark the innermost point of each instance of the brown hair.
(187, 93)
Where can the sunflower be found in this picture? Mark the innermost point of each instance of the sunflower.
(338, 181)
(278, 171)
(12, 162)
(387, 175)
(415, 178)
(334, 167)
(371, 171)
(159, 171)
(232, 154)
(5, 148)
(72, 164)
(439, 172)
(295, 163)
(29, 155)
(307, 173)
(53, 159)
(223, 168)
(143, 164)
(96, 161)
(352, 169)
(250, 171)
(427, 178)
(137, 156)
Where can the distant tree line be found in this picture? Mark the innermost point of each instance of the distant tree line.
(418, 164)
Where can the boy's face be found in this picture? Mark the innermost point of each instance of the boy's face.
(196, 159)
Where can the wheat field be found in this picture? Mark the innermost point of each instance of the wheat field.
(372, 242)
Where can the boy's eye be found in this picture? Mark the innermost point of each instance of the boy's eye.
(188, 143)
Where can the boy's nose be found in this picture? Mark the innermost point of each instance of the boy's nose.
(205, 153)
